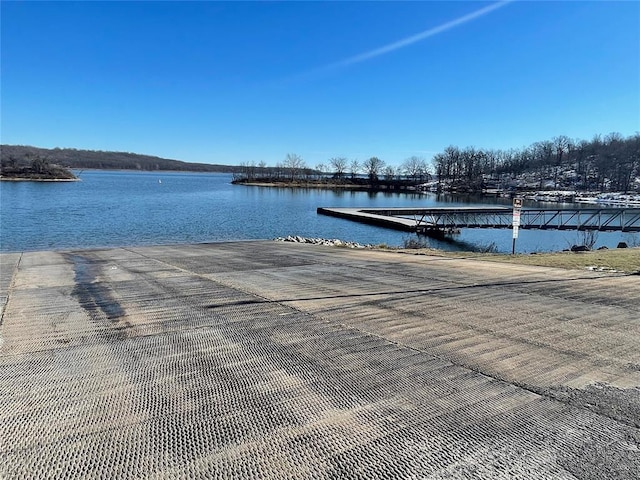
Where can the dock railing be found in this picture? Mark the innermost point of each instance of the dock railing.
(453, 218)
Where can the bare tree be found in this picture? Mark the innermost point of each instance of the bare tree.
(354, 167)
(415, 168)
(339, 166)
(279, 170)
(439, 161)
(262, 167)
(373, 166)
(389, 172)
(632, 162)
(561, 146)
(294, 164)
(322, 168)
(578, 155)
(542, 159)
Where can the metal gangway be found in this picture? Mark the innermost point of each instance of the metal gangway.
(443, 220)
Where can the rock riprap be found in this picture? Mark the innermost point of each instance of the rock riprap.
(322, 241)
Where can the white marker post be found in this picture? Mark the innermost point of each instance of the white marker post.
(517, 206)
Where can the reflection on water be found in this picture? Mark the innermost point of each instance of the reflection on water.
(109, 209)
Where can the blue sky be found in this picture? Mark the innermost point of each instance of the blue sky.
(218, 82)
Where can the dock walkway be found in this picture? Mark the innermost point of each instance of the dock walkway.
(280, 360)
(425, 220)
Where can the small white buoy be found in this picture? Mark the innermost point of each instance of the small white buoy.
(159, 181)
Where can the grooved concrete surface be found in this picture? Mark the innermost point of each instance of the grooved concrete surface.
(279, 360)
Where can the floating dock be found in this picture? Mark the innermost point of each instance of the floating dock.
(443, 220)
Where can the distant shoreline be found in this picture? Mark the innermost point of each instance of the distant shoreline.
(27, 179)
(306, 185)
(379, 187)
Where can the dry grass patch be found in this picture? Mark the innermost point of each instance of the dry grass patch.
(620, 259)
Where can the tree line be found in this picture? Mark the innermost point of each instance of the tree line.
(12, 156)
(604, 163)
(371, 171)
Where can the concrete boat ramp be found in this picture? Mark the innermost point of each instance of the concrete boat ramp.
(280, 360)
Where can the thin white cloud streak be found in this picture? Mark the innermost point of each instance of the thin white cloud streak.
(416, 38)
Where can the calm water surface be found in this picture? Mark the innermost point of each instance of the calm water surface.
(109, 209)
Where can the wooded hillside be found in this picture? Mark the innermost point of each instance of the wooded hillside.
(609, 163)
(20, 155)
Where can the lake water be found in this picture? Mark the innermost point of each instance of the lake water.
(116, 208)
